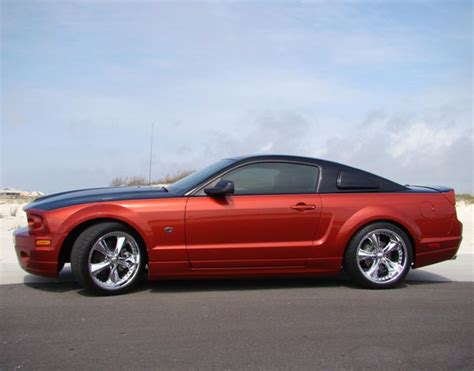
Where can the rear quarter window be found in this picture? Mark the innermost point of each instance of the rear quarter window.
(354, 180)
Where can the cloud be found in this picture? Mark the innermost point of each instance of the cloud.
(408, 150)
(283, 132)
(359, 83)
(421, 141)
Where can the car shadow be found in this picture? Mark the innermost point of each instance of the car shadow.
(246, 284)
(420, 276)
(65, 283)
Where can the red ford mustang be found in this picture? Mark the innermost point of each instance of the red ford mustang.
(245, 216)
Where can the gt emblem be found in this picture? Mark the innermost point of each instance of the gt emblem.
(168, 229)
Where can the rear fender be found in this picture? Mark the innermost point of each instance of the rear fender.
(372, 214)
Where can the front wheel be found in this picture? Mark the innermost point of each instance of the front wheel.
(379, 256)
(107, 258)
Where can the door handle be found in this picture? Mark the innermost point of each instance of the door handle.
(301, 206)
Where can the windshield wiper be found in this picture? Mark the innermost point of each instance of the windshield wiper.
(163, 188)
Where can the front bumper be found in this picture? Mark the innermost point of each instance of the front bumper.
(40, 260)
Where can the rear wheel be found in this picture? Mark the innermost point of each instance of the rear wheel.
(107, 258)
(379, 256)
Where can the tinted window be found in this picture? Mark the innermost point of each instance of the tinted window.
(272, 177)
(356, 180)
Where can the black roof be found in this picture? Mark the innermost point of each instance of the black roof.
(335, 177)
(279, 157)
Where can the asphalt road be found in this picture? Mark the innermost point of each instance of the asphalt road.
(239, 324)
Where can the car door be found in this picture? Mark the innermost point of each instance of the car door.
(270, 220)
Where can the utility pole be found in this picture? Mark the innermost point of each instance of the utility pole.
(151, 154)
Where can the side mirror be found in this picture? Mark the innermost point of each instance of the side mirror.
(222, 188)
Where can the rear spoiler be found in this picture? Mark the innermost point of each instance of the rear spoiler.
(446, 191)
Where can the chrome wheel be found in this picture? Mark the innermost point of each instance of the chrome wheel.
(114, 260)
(382, 256)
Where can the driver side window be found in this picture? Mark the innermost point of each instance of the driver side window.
(253, 179)
(273, 178)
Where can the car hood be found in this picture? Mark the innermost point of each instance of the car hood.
(83, 196)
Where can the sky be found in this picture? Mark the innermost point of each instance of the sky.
(386, 86)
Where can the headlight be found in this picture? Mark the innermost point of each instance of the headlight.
(36, 224)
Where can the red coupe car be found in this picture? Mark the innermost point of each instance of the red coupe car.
(245, 216)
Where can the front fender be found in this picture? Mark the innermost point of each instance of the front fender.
(108, 211)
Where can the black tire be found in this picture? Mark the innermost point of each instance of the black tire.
(82, 254)
(375, 271)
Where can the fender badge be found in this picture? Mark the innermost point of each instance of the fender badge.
(168, 229)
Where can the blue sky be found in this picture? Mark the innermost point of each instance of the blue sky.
(381, 85)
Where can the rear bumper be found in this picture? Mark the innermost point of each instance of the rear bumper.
(42, 260)
(438, 249)
(434, 257)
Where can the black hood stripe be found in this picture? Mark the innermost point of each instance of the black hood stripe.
(65, 199)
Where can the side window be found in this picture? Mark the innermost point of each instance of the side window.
(274, 178)
(253, 179)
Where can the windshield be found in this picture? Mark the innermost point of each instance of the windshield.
(193, 179)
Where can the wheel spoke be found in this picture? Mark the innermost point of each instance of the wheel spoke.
(391, 246)
(393, 267)
(364, 254)
(96, 268)
(113, 275)
(374, 269)
(102, 248)
(374, 240)
(119, 245)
